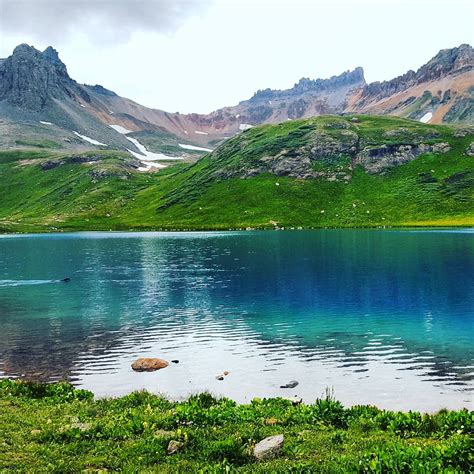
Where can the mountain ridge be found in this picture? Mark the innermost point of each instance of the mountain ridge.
(38, 98)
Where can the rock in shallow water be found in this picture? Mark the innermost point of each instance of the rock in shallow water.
(269, 447)
(290, 384)
(149, 364)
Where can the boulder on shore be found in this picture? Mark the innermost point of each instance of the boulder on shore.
(269, 447)
(149, 364)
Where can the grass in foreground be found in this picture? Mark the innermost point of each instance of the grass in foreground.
(55, 428)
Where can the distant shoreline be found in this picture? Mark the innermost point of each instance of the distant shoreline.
(253, 229)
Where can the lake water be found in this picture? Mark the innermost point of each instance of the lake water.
(381, 317)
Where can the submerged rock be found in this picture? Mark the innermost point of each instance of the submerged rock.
(269, 447)
(149, 364)
(290, 384)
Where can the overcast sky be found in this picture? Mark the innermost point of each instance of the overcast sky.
(199, 55)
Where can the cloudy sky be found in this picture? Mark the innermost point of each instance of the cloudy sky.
(199, 55)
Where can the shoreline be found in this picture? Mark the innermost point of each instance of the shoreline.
(54, 427)
(290, 396)
(239, 230)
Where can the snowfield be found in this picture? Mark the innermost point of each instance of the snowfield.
(149, 155)
(192, 147)
(147, 158)
(149, 165)
(427, 117)
(90, 140)
(120, 129)
(45, 123)
(245, 126)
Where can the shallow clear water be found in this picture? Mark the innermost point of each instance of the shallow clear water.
(379, 316)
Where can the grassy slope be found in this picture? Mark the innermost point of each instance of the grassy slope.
(54, 428)
(434, 189)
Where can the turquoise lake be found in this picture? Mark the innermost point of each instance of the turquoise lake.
(382, 317)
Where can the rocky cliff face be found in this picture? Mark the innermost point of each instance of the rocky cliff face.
(31, 79)
(305, 86)
(327, 147)
(40, 103)
(442, 90)
(447, 62)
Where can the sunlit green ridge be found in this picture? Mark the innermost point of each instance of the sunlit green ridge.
(271, 176)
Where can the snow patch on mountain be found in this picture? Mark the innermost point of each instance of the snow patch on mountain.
(427, 117)
(90, 140)
(192, 147)
(245, 126)
(120, 129)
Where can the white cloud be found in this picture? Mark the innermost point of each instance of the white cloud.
(219, 53)
(100, 20)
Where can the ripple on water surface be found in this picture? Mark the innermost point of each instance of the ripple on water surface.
(383, 317)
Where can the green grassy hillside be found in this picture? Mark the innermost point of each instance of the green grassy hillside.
(322, 172)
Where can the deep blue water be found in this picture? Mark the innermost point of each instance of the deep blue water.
(379, 316)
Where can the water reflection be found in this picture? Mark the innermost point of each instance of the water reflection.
(368, 312)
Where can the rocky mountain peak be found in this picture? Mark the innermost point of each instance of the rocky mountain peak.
(30, 78)
(348, 79)
(52, 55)
(447, 62)
(101, 90)
(24, 49)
